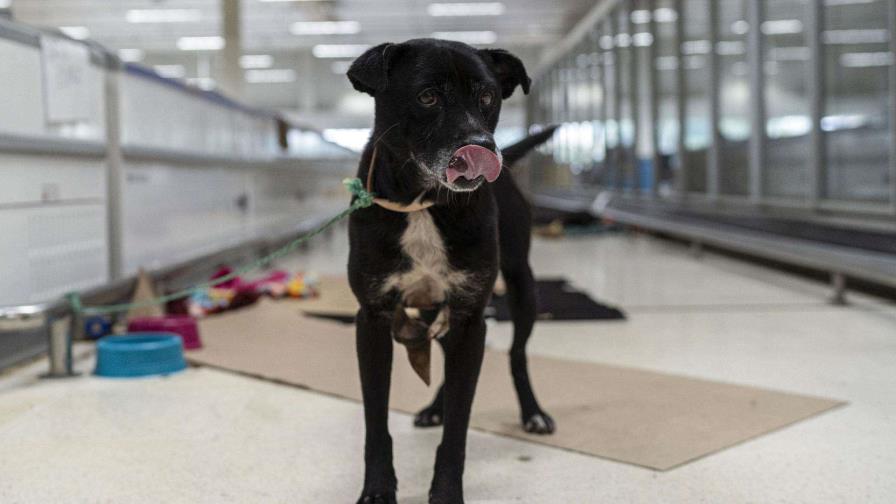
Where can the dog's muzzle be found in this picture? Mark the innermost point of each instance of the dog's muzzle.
(472, 162)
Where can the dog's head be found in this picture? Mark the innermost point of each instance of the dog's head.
(437, 106)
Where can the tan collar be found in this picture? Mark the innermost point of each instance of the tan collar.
(414, 206)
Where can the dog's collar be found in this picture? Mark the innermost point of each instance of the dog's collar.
(414, 206)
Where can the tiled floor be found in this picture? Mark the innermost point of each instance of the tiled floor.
(209, 436)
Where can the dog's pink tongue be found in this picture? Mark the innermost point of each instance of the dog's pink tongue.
(471, 161)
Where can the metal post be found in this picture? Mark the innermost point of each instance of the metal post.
(61, 333)
(713, 183)
(618, 168)
(892, 25)
(114, 175)
(681, 184)
(593, 111)
(838, 283)
(604, 103)
(634, 95)
(653, 97)
(815, 87)
(757, 144)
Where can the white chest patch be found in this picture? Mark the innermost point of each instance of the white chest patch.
(430, 276)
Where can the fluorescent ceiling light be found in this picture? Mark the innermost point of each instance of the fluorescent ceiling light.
(642, 39)
(837, 3)
(338, 50)
(468, 37)
(640, 16)
(623, 40)
(606, 42)
(271, 76)
(740, 27)
(4, 4)
(131, 55)
(171, 71)
(665, 15)
(214, 43)
(340, 67)
(163, 16)
(248, 61)
(205, 83)
(696, 47)
(782, 27)
(76, 32)
(465, 9)
(325, 28)
(856, 36)
(866, 59)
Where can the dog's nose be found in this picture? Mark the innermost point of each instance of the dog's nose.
(483, 141)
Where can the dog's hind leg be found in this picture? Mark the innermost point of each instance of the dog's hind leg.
(374, 348)
(515, 228)
(521, 301)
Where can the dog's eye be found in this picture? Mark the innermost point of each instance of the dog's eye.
(428, 98)
(486, 98)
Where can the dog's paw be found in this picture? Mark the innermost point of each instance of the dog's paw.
(539, 423)
(428, 417)
(378, 498)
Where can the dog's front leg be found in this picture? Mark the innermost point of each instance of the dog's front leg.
(374, 347)
(464, 348)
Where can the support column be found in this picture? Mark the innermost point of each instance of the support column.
(114, 177)
(231, 79)
(757, 143)
(308, 90)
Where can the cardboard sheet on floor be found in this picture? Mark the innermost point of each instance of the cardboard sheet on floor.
(335, 300)
(649, 419)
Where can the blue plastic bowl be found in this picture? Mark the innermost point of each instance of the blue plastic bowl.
(139, 354)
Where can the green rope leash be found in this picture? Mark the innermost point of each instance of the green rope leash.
(361, 199)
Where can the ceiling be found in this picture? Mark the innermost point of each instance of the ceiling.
(313, 87)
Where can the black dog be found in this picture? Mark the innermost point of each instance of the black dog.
(425, 261)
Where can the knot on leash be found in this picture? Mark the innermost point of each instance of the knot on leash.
(363, 198)
(74, 300)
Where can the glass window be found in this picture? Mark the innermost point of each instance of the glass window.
(696, 49)
(856, 114)
(788, 123)
(734, 96)
(666, 63)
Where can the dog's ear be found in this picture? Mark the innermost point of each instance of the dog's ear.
(370, 72)
(508, 69)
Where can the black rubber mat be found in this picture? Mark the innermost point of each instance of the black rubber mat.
(557, 300)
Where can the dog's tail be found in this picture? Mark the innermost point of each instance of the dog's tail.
(515, 152)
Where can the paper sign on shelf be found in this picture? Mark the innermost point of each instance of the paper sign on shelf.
(66, 66)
